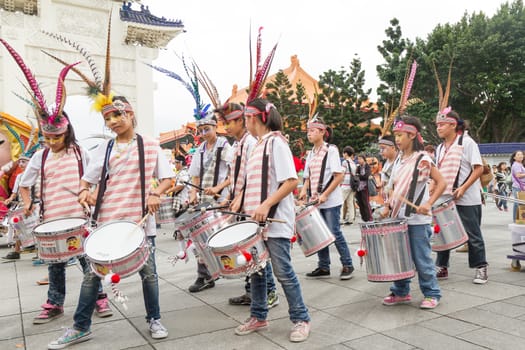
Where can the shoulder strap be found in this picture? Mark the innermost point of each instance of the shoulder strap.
(44, 157)
(201, 168)
(217, 165)
(142, 165)
(412, 189)
(236, 171)
(264, 182)
(456, 180)
(103, 180)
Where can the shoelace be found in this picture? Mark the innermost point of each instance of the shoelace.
(156, 325)
(299, 325)
(68, 334)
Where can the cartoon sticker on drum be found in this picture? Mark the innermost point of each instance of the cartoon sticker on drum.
(73, 243)
(227, 262)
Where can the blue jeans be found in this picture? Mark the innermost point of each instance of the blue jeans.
(471, 218)
(56, 292)
(270, 282)
(331, 216)
(279, 249)
(89, 288)
(419, 238)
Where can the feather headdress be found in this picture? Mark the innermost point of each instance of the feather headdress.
(258, 80)
(444, 109)
(404, 100)
(52, 121)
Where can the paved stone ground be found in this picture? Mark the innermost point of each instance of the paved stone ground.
(345, 314)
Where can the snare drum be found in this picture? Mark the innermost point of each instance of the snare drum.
(120, 247)
(240, 249)
(61, 239)
(388, 255)
(312, 232)
(166, 213)
(451, 233)
(25, 224)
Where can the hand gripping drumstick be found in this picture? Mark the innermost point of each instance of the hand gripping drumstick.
(407, 202)
(200, 188)
(249, 216)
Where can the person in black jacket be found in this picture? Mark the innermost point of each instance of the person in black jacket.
(362, 196)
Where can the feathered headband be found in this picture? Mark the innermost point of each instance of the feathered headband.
(258, 80)
(201, 112)
(444, 110)
(51, 121)
(22, 137)
(98, 89)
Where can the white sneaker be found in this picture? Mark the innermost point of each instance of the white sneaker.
(157, 330)
(481, 275)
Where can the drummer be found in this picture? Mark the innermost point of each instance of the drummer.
(409, 183)
(388, 150)
(232, 115)
(117, 200)
(208, 170)
(179, 188)
(323, 174)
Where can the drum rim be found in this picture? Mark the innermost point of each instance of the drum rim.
(224, 228)
(60, 219)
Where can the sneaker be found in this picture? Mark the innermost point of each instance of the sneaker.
(71, 336)
(201, 284)
(49, 313)
(102, 307)
(300, 331)
(12, 256)
(71, 261)
(429, 303)
(481, 275)
(463, 248)
(157, 330)
(38, 262)
(392, 299)
(241, 300)
(43, 282)
(441, 273)
(319, 273)
(273, 299)
(251, 325)
(346, 273)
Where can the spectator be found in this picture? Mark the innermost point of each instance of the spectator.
(349, 167)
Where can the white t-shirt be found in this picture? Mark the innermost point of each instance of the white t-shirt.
(471, 157)
(283, 169)
(333, 165)
(348, 172)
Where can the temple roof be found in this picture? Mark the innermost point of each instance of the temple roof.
(145, 29)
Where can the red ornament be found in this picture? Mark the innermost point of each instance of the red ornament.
(437, 229)
(293, 239)
(361, 253)
(115, 278)
(16, 220)
(247, 256)
(86, 234)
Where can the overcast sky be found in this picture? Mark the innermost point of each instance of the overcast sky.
(324, 34)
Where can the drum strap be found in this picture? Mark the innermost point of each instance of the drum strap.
(236, 171)
(264, 184)
(320, 188)
(412, 190)
(217, 165)
(103, 180)
(142, 169)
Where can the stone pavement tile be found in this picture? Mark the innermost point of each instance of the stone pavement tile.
(337, 347)
(10, 327)
(320, 294)
(360, 283)
(505, 309)
(14, 343)
(377, 342)
(428, 339)
(491, 320)
(10, 306)
(115, 335)
(449, 326)
(491, 339)
(141, 347)
(188, 322)
(491, 290)
(223, 339)
(378, 317)
(241, 312)
(517, 300)
(455, 300)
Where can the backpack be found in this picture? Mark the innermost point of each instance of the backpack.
(372, 186)
(354, 179)
(487, 175)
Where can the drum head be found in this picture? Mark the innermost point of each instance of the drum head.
(59, 225)
(114, 241)
(191, 213)
(443, 201)
(232, 234)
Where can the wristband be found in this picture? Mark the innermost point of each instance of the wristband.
(154, 194)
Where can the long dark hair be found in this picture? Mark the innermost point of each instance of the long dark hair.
(414, 121)
(269, 115)
(70, 139)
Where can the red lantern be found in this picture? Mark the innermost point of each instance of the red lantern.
(437, 229)
(115, 278)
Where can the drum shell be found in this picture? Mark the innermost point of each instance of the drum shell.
(125, 265)
(451, 233)
(26, 225)
(388, 255)
(166, 213)
(53, 245)
(200, 229)
(250, 244)
(312, 232)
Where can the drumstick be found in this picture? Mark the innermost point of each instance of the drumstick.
(281, 221)
(199, 188)
(407, 202)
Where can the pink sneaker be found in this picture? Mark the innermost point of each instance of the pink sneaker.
(102, 308)
(300, 331)
(392, 299)
(429, 303)
(251, 325)
(49, 313)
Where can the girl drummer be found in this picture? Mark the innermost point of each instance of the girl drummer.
(270, 195)
(117, 199)
(413, 161)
